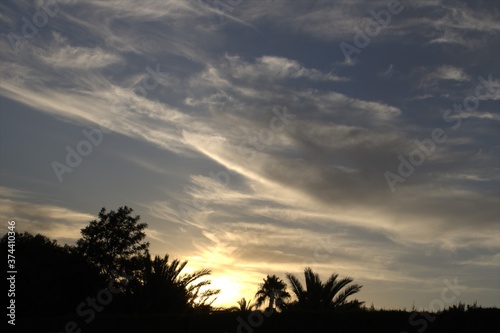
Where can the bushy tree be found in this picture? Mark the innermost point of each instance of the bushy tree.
(115, 243)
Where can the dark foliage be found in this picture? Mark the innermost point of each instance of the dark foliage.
(166, 289)
(154, 295)
(274, 290)
(478, 320)
(321, 296)
(52, 280)
(115, 243)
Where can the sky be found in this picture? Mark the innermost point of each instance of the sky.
(262, 137)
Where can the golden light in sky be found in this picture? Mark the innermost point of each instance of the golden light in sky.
(231, 291)
(248, 154)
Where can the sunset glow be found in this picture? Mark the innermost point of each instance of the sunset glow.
(353, 137)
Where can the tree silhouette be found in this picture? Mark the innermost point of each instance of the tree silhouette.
(167, 290)
(243, 306)
(323, 296)
(115, 243)
(273, 289)
(52, 279)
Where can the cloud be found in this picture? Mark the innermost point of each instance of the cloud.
(79, 57)
(448, 72)
(13, 193)
(458, 24)
(422, 97)
(275, 68)
(294, 184)
(313, 17)
(55, 222)
(332, 190)
(484, 260)
(442, 80)
(337, 103)
(481, 115)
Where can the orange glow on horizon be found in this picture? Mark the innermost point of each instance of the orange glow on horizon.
(230, 291)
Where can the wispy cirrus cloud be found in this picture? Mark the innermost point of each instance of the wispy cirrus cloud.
(275, 68)
(62, 55)
(209, 110)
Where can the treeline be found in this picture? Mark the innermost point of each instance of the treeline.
(112, 262)
(448, 321)
(109, 271)
(109, 281)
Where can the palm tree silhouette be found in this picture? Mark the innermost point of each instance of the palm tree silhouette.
(323, 296)
(243, 306)
(273, 289)
(167, 289)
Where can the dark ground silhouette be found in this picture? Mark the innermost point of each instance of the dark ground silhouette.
(108, 282)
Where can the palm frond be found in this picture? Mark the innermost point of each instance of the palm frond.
(297, 287)
(348, 291)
